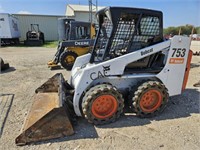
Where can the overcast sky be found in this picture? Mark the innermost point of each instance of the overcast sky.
(176, 12)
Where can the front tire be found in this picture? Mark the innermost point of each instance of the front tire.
(150, 99)
(67, 59)
(102, 104)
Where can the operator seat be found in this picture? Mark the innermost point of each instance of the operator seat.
(148, 62)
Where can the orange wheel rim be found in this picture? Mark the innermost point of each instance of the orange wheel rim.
(69, 59)
(151, 101)
(104, 106)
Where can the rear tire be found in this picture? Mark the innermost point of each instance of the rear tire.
(150, 99)
(1, 64)
(102, 104)
(67, 59)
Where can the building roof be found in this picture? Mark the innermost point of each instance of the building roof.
(71, 9)
(39, 15)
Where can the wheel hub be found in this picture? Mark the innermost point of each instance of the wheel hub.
(104, 106)
(69, 59)
(151, 101)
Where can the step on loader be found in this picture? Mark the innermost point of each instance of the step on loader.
(130, 62)
(76, 39)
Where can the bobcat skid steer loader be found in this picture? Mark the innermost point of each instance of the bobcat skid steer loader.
(130, 62)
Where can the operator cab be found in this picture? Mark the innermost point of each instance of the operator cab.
(125, 30)
(69, 29)
(80, 30)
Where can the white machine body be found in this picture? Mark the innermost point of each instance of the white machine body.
(84, 74)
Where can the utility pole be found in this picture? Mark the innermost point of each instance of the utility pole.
(92, 7)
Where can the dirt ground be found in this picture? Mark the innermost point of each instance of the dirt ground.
(178, 127)
(195, 46)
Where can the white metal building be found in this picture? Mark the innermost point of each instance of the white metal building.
(47, 23)
(80, 12)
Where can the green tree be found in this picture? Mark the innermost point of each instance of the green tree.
(171, 30)
(184, 30)
(197, 30)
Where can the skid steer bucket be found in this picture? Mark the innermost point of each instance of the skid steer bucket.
(50, 114)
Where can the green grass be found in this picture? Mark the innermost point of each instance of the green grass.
(50, 44)
(47, 44)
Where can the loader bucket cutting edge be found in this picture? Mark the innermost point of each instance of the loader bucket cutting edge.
(49, 116)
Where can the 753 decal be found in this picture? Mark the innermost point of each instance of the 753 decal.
(178, 52)
(177, 56)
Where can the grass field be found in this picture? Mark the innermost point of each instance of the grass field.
(47, 44)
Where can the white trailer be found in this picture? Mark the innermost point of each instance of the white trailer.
(9, 29)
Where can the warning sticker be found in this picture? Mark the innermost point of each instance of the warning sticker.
(176, 60)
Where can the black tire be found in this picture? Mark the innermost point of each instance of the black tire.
(150, 99)
(93, 97)
(3, 65)
(42, 37)
(1, 62)
(16, 41)
(63, 59)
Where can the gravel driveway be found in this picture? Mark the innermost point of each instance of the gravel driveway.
(178, 127)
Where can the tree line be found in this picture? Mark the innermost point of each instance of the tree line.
(183, 30)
